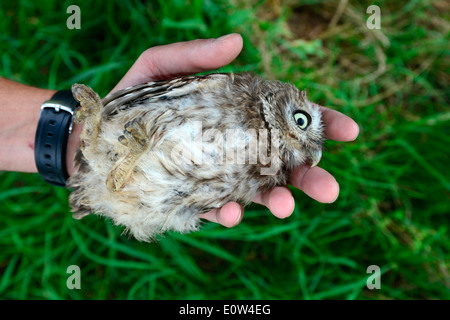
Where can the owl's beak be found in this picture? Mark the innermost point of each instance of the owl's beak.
(315, 156)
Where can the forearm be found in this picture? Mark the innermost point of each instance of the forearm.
(19, 115)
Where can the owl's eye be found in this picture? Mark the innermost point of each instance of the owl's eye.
(302, 119)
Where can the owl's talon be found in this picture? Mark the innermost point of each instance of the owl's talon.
(123, 140)
(135, 135)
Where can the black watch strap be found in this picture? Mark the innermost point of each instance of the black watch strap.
(54, 127)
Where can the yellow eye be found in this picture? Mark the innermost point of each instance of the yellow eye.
(302, 119)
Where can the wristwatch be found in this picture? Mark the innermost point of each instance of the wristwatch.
(54, 127)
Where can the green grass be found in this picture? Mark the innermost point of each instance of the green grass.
(393, 209)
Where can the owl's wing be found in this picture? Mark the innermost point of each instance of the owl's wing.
(154, 91)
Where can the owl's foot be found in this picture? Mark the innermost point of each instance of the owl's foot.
(135, 138)
(89, 112)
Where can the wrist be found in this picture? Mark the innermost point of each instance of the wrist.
(53, 156)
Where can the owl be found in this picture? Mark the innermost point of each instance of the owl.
(155, 156)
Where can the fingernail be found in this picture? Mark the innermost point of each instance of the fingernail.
(293, 207)
(238, 218)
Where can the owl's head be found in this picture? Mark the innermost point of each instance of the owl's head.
(298, 121)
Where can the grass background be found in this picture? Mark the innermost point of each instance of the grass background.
(393, 209)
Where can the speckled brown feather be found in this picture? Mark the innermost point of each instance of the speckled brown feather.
(156, 193)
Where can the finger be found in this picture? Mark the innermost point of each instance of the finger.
(182, 58)
(316, 183)
(229, 215)
(279, 200)
(338, 126)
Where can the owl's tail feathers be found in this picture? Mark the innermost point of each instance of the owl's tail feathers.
(81, 213)
(77, 198)
(79, 210)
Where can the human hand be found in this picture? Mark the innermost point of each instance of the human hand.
(186, 58)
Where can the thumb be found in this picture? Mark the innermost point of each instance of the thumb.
(182, 58)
